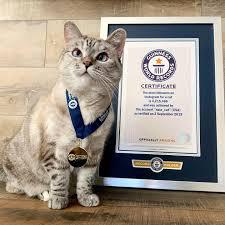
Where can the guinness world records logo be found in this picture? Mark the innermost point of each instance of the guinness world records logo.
(158, 65)
(156, 164)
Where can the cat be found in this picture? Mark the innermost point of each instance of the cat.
(35, 161)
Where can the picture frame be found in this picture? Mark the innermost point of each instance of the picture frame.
(201, 170)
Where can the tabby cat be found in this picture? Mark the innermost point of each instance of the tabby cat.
(35, 161)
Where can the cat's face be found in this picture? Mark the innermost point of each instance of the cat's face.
(88, 63)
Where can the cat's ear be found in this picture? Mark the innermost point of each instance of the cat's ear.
(117, 39)
(71, 31)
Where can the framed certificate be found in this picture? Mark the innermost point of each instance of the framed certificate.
(169, 127)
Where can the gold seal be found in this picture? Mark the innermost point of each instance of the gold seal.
(77, 157)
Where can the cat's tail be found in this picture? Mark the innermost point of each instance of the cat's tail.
(2, 175)
(4, 143)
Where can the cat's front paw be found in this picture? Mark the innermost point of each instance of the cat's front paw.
(44, 196)
(56, 202)
(89, 200)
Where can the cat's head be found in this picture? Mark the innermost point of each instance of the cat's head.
(91, 64)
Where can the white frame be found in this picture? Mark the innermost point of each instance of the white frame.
(219, 88)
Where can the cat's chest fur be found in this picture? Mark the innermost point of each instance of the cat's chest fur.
(58, 126)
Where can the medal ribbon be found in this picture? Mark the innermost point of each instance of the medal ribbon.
(82, 130)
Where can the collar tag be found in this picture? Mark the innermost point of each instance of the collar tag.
(72, 104)
(77, 157)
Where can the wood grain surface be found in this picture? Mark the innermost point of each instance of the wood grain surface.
(89, 9)
(119, 206)
(22, 43)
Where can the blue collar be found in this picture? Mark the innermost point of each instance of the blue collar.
(82, 130)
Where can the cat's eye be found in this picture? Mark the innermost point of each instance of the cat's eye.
(77, 52)
(103, 57)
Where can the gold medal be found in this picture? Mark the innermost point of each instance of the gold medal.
(77, 157)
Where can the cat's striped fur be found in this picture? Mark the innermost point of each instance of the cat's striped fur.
(35, 161)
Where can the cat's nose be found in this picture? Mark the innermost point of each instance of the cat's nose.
(87, 61)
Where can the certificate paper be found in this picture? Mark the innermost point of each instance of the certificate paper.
(159, 92)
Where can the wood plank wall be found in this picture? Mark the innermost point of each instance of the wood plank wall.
(31, 38)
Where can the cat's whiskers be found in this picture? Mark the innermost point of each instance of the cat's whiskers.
(110, 83)
(109, 87)
(113, 88)
(106, 88)
(106, 78)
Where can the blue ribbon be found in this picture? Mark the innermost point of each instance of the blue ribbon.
(82, 130)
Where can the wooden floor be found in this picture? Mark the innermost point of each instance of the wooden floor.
(119, 206)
